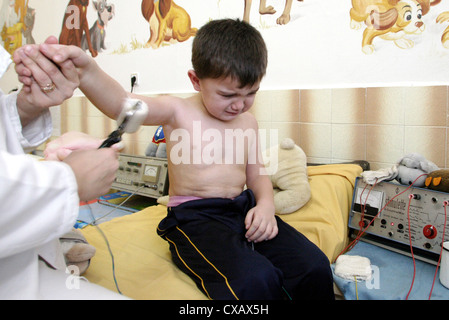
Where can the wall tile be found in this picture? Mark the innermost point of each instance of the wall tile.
(348, 105)
(75, 123)
(425, 106)
(385, 106)
(379, 125)
(384, 143)
(262, 106)
(315, 105)
(288, 130)
(284, 106)
(315, 140)
(348, 142)
(428, 141)
(447, 149)
(95, 127)
(73, 106)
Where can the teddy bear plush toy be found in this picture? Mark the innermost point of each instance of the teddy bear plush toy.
(287, 167)
(77, 251)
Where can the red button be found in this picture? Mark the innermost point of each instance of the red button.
(430, 231)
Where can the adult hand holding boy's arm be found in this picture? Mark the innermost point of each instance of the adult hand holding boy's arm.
(101, 89)
(36, 73)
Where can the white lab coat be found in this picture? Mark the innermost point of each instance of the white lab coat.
(38, 203)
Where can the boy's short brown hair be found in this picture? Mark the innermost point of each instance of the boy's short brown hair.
(228, 47)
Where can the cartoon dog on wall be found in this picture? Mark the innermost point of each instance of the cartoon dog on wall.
(168, 22)
(284, 18)
(389, 20)
(75, 25)
(105, 12)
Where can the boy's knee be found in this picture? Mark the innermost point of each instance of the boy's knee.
(261, 283)
(317, 281)
(321, 270)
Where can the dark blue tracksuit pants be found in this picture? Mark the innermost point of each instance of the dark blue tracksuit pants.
(207, 242)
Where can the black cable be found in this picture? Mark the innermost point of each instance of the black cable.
(133, 82)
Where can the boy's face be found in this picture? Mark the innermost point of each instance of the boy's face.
(223, 98)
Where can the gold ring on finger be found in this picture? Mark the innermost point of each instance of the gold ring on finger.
(48, 88)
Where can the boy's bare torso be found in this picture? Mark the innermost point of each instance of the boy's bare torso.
(207, 156)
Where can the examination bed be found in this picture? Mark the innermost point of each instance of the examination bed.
(142, 260)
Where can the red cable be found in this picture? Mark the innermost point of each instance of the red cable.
(411, 246)
(359, 235)
(445, 203)
(362, 208)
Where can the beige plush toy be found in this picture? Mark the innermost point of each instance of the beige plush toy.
(77, 251)
(288, 176)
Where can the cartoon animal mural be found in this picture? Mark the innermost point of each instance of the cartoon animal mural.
(75, 27)
(390, 20)
(444, 17)
(29, 25)
(105, 12)
(168, 22)
(284, 18)
(14, 12)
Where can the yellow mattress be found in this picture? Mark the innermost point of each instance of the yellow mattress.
(142, 259)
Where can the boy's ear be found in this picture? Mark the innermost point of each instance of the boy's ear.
(194, 79)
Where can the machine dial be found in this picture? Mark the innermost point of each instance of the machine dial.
(430, 231)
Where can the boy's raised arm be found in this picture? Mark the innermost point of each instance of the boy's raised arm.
(100, 88)
(105, 92)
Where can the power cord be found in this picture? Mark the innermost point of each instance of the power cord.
(94, 223)
(109, 249)
(133, 82)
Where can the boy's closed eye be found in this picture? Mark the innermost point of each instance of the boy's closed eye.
(232, 95)
(227, 94)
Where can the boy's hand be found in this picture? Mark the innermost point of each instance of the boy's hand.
(261, 224)
(44, 83)
(36, 72)
(39, 63)
(61, 53)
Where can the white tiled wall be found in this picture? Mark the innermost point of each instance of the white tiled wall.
(379, 125)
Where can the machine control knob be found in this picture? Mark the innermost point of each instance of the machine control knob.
(430, 231)
(363, 223)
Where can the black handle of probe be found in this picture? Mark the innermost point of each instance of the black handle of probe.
(112, 139)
